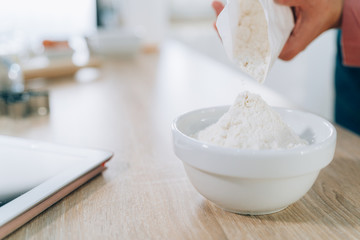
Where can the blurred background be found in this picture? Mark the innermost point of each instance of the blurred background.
(31, 29)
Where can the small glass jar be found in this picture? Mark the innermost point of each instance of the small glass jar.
(11, 76)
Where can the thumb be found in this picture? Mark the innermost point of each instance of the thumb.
(302, 35)
(218, 7)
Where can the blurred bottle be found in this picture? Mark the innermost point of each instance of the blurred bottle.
(13, 101)
(109, 13)
(11, 77)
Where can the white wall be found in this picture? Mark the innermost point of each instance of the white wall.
(48, 17)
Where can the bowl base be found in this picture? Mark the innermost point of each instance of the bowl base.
(252, 213)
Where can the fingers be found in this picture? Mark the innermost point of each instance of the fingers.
(218, 7)
(214, 24)
(292, 3)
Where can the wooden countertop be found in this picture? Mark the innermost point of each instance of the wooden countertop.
(144, 193)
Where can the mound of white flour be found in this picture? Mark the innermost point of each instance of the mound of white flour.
(251, 123)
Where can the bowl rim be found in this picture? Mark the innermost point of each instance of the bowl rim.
(252, 163)
(303, 149)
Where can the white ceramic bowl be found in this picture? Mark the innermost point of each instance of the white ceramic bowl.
(253, 182)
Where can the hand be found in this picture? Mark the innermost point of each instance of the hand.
(218, 7)
(312, 17)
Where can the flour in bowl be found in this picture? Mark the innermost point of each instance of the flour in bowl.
(251, 123)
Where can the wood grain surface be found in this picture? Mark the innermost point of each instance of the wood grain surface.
(144, 193)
